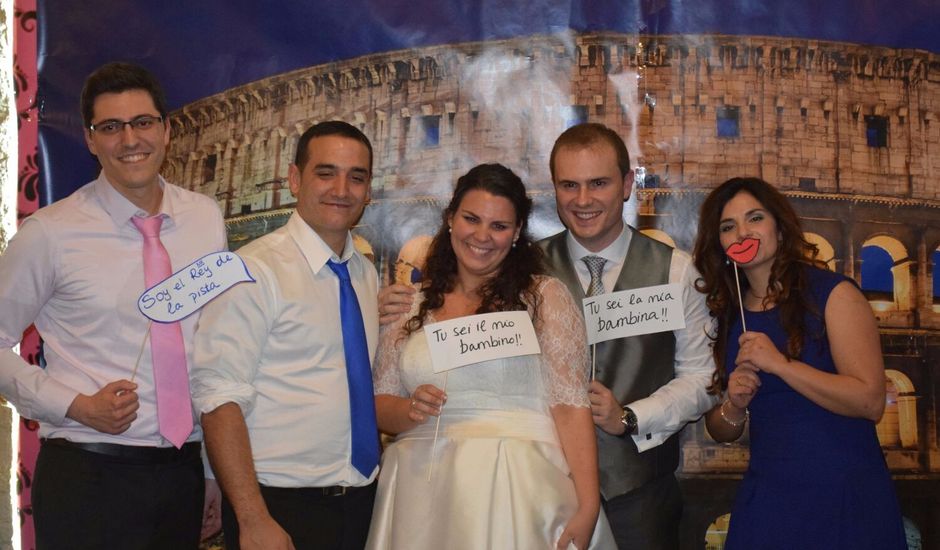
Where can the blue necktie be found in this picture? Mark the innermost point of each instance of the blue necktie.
(365, 434)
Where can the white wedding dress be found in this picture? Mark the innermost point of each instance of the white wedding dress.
(499, 478)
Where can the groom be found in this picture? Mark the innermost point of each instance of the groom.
(649, 386)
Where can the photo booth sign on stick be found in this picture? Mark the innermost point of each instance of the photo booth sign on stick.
(186, 291)
(473, 339)
(477, 338)
(742, 253)
(633, 312)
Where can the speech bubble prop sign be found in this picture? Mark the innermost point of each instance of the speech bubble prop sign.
(633, 312)
(184, 292)
(477, 338)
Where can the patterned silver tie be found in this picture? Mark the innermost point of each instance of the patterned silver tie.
(595, 265)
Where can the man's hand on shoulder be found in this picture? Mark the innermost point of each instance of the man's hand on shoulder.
(111, 410)
(394, 301)
(605, 410)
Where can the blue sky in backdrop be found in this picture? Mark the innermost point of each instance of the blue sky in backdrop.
(203, 47)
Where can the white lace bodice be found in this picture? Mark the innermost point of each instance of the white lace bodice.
(558, 376)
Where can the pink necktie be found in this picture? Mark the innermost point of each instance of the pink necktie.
(174, 408)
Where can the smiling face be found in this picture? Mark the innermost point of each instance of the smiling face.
(482, 230)
(131, 159)
(333, 187)
(589, 193)
(747, 231)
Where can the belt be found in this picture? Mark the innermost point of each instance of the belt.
(332, 491)
(150, 455)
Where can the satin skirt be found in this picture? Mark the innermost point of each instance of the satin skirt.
(497, 480)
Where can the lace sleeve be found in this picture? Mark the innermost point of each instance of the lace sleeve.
(386, 374)
(562, 337)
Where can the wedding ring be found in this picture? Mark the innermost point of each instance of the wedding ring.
(413, 402)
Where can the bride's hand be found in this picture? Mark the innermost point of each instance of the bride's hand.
(427, 400)
(578, 531)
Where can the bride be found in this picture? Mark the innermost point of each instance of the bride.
(515, 465)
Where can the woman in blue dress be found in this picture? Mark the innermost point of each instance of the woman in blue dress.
(807, 373)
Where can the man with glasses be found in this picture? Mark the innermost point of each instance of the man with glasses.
(119, 465)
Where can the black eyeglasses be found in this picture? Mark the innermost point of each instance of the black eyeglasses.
(113, 126)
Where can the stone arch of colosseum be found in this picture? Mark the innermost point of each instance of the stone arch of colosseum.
(827, 253)
(898, 425)
(931, 276)
(900, 272)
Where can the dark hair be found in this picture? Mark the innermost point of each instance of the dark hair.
(513, 287)
(586, 135)
(329, 128)
(787, 285)
(118, 77)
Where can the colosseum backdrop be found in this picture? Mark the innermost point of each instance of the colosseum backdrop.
(849, 132)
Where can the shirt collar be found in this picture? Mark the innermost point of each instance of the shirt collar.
(615, 252)
(314, 248)
(122, 210)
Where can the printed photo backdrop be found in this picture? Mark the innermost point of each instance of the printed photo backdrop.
(24, 28)
(836, 104)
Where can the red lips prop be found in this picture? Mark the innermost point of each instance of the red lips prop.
(744, 251)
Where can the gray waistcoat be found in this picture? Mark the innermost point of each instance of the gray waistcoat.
(633, 368)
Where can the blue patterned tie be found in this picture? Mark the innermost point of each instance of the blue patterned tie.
(365, 434)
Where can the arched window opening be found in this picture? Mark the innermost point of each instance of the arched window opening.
(886, 274)
(935, 276)
(827, 253)
(877, 280)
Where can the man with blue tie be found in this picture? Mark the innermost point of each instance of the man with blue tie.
(282, 372)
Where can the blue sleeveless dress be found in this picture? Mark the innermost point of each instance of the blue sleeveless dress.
(816, 479)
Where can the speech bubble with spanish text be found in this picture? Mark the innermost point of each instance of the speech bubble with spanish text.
(186, 291)
(633, 312)
(476, 338)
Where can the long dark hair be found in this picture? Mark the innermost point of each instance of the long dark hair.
(513, 287)
(787, 286)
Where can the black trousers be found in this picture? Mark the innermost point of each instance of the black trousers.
(88, 500)
(647, 518)
(314, 520)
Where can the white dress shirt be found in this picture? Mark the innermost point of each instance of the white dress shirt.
(685, 398)
(275, 348)
(75, 269)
